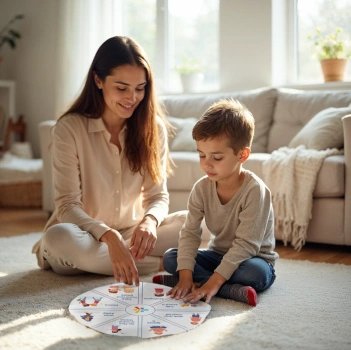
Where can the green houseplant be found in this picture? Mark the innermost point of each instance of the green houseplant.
(333, 53)
(8, 35)
(189, 66)
(191, 73)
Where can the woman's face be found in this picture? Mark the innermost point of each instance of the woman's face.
(123, 90)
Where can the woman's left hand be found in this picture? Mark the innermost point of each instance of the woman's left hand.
(144, 238)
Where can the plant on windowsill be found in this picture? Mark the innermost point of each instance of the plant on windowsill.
(191, 73)
(333, 52)
(8, 35)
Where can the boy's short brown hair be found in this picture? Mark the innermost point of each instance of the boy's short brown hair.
(227, 117)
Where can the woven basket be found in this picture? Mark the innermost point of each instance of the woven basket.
(21, 194)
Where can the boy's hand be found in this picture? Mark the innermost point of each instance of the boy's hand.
(181, 289)
(208, 290)
(184, 286)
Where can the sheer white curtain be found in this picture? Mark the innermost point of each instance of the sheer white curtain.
(83, 26)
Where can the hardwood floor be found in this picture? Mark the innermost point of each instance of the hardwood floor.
(15, 222)
(328, 253)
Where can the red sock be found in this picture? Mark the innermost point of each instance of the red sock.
(252, 296)
(237, 292)
(157, 279)
(166, 280)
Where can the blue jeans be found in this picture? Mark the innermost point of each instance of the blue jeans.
(254, 272)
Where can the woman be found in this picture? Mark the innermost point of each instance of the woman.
(110, 164)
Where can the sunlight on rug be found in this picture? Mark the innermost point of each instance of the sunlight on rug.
(307, 307)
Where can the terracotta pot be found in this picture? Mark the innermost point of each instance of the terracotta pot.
(334, 69)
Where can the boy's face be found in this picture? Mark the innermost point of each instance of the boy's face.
(218, 160)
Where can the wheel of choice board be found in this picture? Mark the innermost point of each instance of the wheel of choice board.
(145, 311)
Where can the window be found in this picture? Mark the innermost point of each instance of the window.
(139, 22)
(168, 30)
(326, 15)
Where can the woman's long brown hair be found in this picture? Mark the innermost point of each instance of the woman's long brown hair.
(142, 142)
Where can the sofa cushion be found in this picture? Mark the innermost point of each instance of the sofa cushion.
(183, 140)
(260, 102)
(186, 173)
(294, 108)
(324, 130)
(330, 180)
(254, 163)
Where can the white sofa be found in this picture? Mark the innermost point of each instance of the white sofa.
(279, 115)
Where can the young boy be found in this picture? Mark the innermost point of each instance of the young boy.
(237, 208)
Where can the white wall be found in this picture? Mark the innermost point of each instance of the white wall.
(245, 57)
(245, 44)
(32, 63)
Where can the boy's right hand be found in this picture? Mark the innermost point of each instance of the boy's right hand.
(184, 286)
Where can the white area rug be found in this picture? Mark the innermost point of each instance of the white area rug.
(308, 307)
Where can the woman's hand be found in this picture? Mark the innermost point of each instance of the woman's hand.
(184, 286)
(123, 263)
(144, 238)
(207, 291)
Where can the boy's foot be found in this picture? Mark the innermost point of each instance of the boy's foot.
(238, 292)
(166, 280)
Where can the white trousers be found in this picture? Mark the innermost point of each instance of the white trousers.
(71, 251)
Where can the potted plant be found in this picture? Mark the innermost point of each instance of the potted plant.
(8, 35)
(191, 73)
(333, 53)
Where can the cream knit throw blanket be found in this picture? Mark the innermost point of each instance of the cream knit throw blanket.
(291, 175)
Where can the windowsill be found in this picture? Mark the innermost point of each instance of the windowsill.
(181, 94)
(208, 89)
(331, 85)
